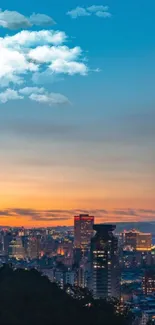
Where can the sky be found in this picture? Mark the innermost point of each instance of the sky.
(77, 111)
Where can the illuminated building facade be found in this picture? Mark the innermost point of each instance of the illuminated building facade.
(144, 241)
(83, 278)
(16, 249)
(148, 317)
(138, 241)
(148, 282)
(83, 232)
(69, 278)
(131, 239)
(105, 263)
(21, 232)
(65, 248)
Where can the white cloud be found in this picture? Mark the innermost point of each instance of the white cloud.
(50, 98)
(29, 39)
(9, 94)
(78, 12)
(30, 57)
(13, 64)
(36, 94)
(40, 95)
(103, 14)
(41, 19)
(98, 10)
(95, 8)
(29, 90)
(71, 67)
(44, 52)
(15, 20)
(9, 78)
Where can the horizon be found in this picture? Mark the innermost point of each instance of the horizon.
(55, 217)
(77, 116)
(130, 225)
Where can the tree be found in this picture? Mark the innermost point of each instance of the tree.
(27, 297)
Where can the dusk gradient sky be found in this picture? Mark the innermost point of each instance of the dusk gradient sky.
(77, 111)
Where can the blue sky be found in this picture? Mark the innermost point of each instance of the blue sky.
(96, 148)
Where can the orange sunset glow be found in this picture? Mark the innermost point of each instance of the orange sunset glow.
(64, 191)
(68, 178)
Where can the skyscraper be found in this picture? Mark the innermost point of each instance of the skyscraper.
(105, 263)
(6, 240)
(83, 232)
(33, 247)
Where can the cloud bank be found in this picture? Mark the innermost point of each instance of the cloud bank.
(101, 215)
(39, 95)
(9, 94)
(29, 56)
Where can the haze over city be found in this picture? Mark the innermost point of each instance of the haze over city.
(77, 116)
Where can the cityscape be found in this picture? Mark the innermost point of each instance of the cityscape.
(77, 171)
(91, 256)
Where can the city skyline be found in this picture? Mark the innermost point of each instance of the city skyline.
(77, 112)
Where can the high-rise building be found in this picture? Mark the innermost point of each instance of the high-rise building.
(83, 232)
(83, 277)
(77, 256)
(6, 240)
(59, 278)
(33, 247)
(16, 249)
(69, 277)
(105, 262)
(148, 282)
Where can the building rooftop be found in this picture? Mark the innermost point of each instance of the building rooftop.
(104, 227)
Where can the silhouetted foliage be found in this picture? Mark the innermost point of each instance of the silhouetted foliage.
(27, 297)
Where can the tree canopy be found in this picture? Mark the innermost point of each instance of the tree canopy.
(27, 297)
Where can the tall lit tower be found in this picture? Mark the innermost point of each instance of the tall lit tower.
(105, 263)
(83, 231)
